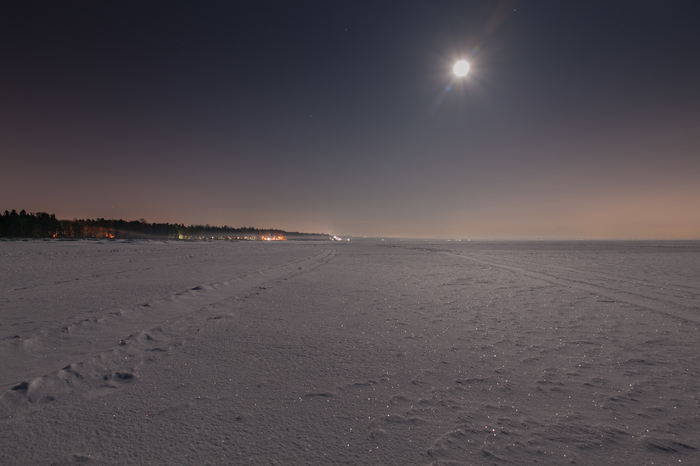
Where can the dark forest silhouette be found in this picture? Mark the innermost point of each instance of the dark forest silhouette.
(43, 225)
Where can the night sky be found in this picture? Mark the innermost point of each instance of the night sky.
(578, 119)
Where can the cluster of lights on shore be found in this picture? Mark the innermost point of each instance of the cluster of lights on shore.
(461, 68)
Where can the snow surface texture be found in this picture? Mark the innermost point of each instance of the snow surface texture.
(139, 352)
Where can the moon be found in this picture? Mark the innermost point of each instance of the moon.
(461, 68)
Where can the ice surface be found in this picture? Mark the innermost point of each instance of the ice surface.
(349, 353)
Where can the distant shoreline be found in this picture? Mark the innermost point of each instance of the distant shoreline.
(38, 225)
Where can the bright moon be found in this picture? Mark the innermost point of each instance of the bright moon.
(461, 68)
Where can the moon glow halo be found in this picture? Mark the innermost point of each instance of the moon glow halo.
(461, 68)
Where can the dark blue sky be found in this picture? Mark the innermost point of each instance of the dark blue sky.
(578, 119)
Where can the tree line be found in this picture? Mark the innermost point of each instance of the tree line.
(44, 225)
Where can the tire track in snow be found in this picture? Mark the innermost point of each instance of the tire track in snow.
(157, 324)
(583, 282)
(692, 291)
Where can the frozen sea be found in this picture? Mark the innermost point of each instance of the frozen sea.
(349, 353)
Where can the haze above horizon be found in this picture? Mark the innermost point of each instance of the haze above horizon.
(576, 120)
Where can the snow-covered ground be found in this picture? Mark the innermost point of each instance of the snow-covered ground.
(140, 352)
